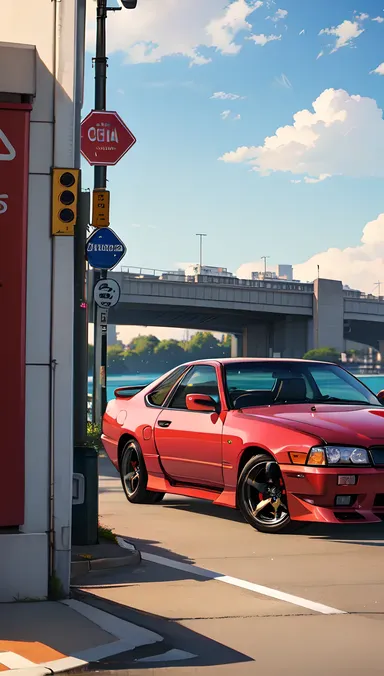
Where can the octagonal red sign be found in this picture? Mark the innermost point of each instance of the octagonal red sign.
(105, 138)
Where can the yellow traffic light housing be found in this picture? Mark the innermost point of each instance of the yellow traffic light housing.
(65, 195)
(100, 209)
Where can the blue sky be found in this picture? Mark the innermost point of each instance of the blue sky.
(172, 184)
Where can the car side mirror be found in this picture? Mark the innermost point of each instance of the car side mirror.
(200, 402)
(380, 397)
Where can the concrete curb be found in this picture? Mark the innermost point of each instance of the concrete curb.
(132, 558)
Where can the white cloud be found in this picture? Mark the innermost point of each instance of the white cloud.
(226, 114)
(320, 54)
(302, 32)
(362, 17)
(378, 19)
(310, 179)
(262, 39)
(343, 136)
(223, 96)
(279, 15)
(345, 33)
(159, 29)
(358, 266)
(379, 70)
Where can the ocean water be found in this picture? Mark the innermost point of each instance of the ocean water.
(374, 382)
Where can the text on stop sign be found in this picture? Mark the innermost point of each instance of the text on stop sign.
(103, 134)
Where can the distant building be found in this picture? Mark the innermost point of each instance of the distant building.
(193, 270)
(284, 274)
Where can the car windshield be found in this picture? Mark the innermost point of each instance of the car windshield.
(270, 383)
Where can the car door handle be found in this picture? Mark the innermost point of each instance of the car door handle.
(164, 423)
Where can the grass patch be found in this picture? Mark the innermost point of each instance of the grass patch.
(106, 533)
(55, 588)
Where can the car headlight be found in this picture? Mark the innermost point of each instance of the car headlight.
(337, 455)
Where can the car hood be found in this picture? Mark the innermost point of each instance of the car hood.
(335, 424)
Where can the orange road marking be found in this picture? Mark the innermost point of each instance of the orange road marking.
(32, 650)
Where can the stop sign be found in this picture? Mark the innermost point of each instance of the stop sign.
(105, 138)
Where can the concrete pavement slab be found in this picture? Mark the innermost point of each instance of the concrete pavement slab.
(316, 645)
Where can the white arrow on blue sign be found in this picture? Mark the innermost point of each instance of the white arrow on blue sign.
(104, 249)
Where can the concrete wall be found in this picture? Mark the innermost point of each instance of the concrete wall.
(53, 28)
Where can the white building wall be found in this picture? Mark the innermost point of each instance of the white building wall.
(52, 28)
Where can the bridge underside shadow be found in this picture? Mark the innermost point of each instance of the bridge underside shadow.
(366, 333)
(258, 334)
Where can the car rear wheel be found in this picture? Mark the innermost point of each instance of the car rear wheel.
(262, 496)
(134, 476)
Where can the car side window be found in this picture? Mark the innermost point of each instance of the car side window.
(158, 396)
(200, 380)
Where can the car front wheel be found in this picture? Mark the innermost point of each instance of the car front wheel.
(262, 496)
(134, 476)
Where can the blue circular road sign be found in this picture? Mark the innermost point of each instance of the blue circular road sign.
(104, 249)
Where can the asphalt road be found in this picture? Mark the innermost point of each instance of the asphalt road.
(322, 611)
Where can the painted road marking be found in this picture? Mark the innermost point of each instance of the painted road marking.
(15, 661)
(243, 584)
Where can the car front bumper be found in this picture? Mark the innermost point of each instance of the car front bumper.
(312, 494)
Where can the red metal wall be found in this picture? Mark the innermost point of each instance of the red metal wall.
(14, 163)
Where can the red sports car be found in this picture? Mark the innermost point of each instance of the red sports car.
(282, 440)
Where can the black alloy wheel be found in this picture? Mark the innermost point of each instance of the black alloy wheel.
(134, 476)
(262, 496)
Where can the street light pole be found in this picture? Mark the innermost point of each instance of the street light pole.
(201, 235)
(265, 258)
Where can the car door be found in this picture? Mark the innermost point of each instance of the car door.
(190, 442)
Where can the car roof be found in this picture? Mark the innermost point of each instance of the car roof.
(271, 360)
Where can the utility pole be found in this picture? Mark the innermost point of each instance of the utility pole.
(99, 395)
(265, 258)
(201, 235)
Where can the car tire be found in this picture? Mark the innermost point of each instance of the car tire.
(248, 498)
(134, 477)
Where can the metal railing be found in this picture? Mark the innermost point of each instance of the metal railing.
(270, 284)
(179, 276)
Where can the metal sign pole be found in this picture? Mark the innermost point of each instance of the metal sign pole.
(100, 181)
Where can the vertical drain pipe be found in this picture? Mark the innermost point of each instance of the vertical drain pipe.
(52, 361)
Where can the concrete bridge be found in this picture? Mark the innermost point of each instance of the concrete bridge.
(265, 317)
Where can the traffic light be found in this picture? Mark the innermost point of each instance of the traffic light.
(129, 4)
(65, 194)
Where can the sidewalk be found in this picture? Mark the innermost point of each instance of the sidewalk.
(39, 638)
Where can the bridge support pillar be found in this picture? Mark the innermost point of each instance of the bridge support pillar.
(237, 345)
(290, 337)
(328, 314)
(256, 341)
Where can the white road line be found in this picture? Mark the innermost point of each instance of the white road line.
(131, 634)
(244, 584)
(15, 661)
